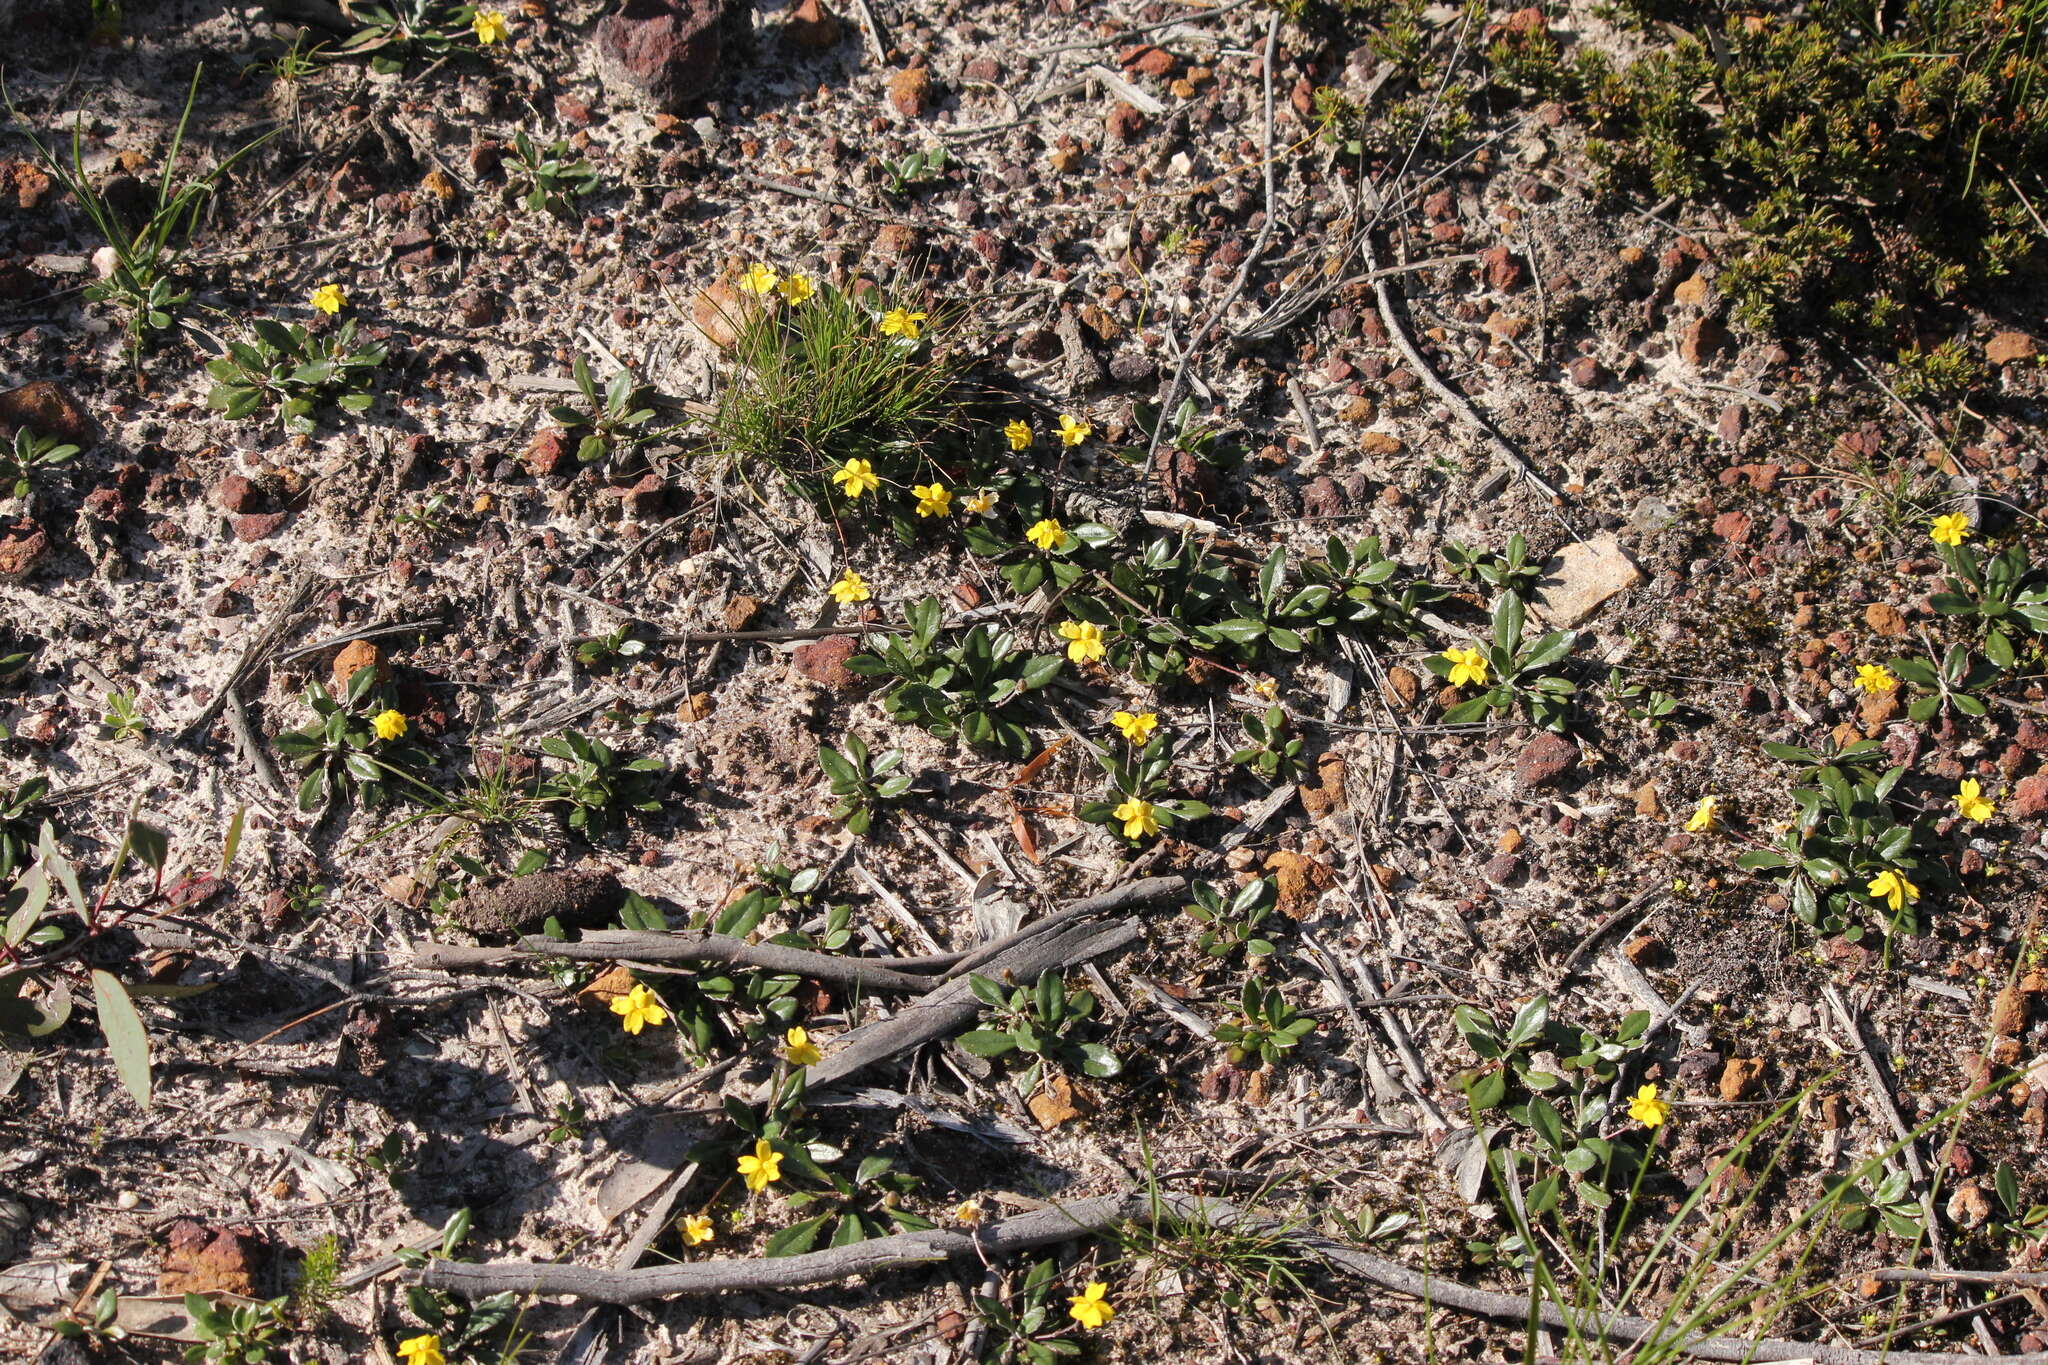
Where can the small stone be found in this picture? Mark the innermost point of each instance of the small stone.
(1324, 794)
(204, 1260)
(2007, 347)
(48, 410)
(355, 656)
(1581, 577)
(1133, 367)
(1643, 950)
(1150, 61)
(1702, 340)
(236, 494)
(1065, 158)
(1380, 443)
(1885, 619)
(811, 27)
(1729, 426)
(910, 91)
(1732, 527)
(824, 662)
(1301, 881)
(547, 452)
(23, 545)
(1510, 841)
(2029, 798)
(255, 526)
(477, 309)
(1503, 271)
(661, 52)
(1403, 687)
(1547, 758)
(1968, 1207)
(1692, 291)
(1125, 123)
(1503, 869)
(1586, 372)
(2009, 1011)
(1739, 1077)
(1647, 804)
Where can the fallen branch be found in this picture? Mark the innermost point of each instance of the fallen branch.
(1087, 1217)
(954, 1005)
(637, 945)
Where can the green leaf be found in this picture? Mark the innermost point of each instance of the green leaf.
(126, 1037)
(983, 1042)
(797, 1237)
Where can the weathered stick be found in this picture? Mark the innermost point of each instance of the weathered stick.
(637, 945)
(1086, 1217)
(953, 1005)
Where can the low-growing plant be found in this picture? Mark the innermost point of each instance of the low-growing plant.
(145, 279)
(1948, 681)
(99, 1325)
(122, 721)
(22, 814)
(1847, 855)
(296, 372)
(1889, 1204)
(26, 456)
(611, 422)
(864, 783)
(394, 32)
(613, 651)
(859, 1207)
(463, 1325)
(1271, 752)
(967, 689)
(1043, 1022)
(2001, 594)
(1232, 926)
(1533, 1059)
(551, 178)
(340, 753)
(1027, 1328)
(1265, 1026)
(597, 787)
(817, 383)
(918, 168)
(319, 1282)
(1361, 578)
(233, 1334)
(1137, 780)
(1639, 701)
(1512, 674)
(1509, 571)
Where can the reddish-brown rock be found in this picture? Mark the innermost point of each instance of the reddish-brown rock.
(662, 52)
(1548, 758)
(46, 409)
(910, 92)
(204, 1260)
(812, 27)
(1125, 123)
(23, 544)
(824, 662)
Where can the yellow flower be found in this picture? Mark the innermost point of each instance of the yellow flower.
(1137, 816)
(1019, 433)
(1950, 529)
(1645, 1108)
(899, 323)
(1893, 889)
(1874, 678)
(1266, 689)
(932, 499)
(1137, 729)
(856, 477)
(1047, 535)
(490, 26)
(637, 1009)
(760, 279)
(850, 588)
(967, 1211)
(1084, 640)
(1970, 800)
(329, 299)
(1091, 1309)
(388, 725)
(801, 1050)
(422, 1350)
(981, 503)
(1467, 666)
(1072, 433)
(796, 288)
(763, 1168)
(1706, 816)
(697, 1230)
